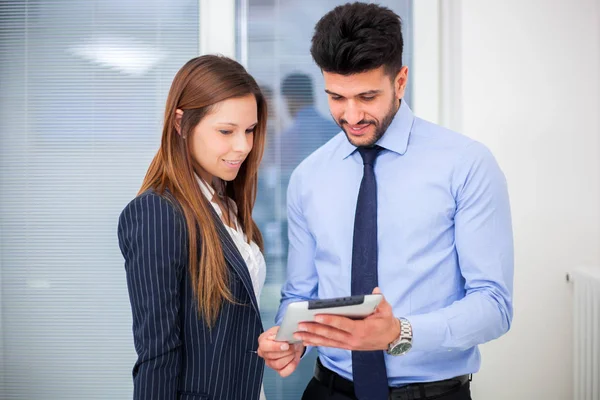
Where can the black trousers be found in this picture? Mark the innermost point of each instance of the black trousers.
(318, 391)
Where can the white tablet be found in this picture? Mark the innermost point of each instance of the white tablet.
(355, 307)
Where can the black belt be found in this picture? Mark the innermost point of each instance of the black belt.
(413, 391)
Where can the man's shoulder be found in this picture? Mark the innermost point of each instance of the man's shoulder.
(437, 134)
(323, 154)
(433, 136)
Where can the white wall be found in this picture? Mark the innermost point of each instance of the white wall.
(530, 91)
(217, 27)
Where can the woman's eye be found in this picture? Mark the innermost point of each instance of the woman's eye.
(224, 132)
(249, 131)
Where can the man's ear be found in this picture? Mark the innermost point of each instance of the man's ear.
(400, 82)
(178, 116)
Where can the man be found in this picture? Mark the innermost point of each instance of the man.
(309, 129)
(396, 205)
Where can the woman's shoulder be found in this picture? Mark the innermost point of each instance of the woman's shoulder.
(150, 202)
(152, 234)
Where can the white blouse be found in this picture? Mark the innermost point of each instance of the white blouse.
(250, 252)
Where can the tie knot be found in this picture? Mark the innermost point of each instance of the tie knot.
(369, 154)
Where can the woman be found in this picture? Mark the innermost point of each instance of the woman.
(192, 250)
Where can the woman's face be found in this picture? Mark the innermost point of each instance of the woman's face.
(223, 138)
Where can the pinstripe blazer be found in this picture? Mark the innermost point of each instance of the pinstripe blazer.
(179, 357)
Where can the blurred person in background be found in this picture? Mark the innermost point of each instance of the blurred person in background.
(308, 131)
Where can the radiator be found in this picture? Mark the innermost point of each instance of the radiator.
(586, 324)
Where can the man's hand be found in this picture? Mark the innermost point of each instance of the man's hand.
(280, 356)
(372, 333)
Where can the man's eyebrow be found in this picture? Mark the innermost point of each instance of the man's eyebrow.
(367, 93)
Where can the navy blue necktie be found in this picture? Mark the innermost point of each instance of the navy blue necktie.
(368, 367)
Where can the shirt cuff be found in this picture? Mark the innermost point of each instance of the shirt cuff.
(429, 331)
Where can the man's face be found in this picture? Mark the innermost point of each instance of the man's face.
(364, 104)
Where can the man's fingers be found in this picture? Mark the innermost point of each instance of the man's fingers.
(269, 349)
(280, 356)
(270, 332)
(316, 340)
(291, 367)
(341, 323)
(323, 330)
(383, 308)
(275, 355)
(268, 345)
(281, 363)
(299, 349)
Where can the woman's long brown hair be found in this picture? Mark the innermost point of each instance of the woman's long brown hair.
(200, 84)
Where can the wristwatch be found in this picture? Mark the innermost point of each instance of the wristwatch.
(403, 342)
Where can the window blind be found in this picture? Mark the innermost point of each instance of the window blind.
(83, 86)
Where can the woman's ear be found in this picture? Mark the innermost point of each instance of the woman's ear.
(178, 116)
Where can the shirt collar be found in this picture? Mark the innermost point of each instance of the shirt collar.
(395, 138)
(207, 190)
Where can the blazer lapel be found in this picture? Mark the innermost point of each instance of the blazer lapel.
(235, 260)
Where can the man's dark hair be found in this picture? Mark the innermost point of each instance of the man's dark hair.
(299, 87)
(358, 37)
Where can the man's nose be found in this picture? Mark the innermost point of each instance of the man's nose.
(353, 114)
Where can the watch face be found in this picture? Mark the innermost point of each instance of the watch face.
(401, 348)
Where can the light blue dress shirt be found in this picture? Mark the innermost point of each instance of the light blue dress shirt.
(445, 245)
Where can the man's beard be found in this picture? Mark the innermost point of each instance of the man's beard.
(380, 128)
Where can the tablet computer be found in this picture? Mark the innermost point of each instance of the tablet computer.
(355, 307)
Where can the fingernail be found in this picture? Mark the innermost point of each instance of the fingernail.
(297, 336)
(285, 346)
(319, 319)
(302, 328)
